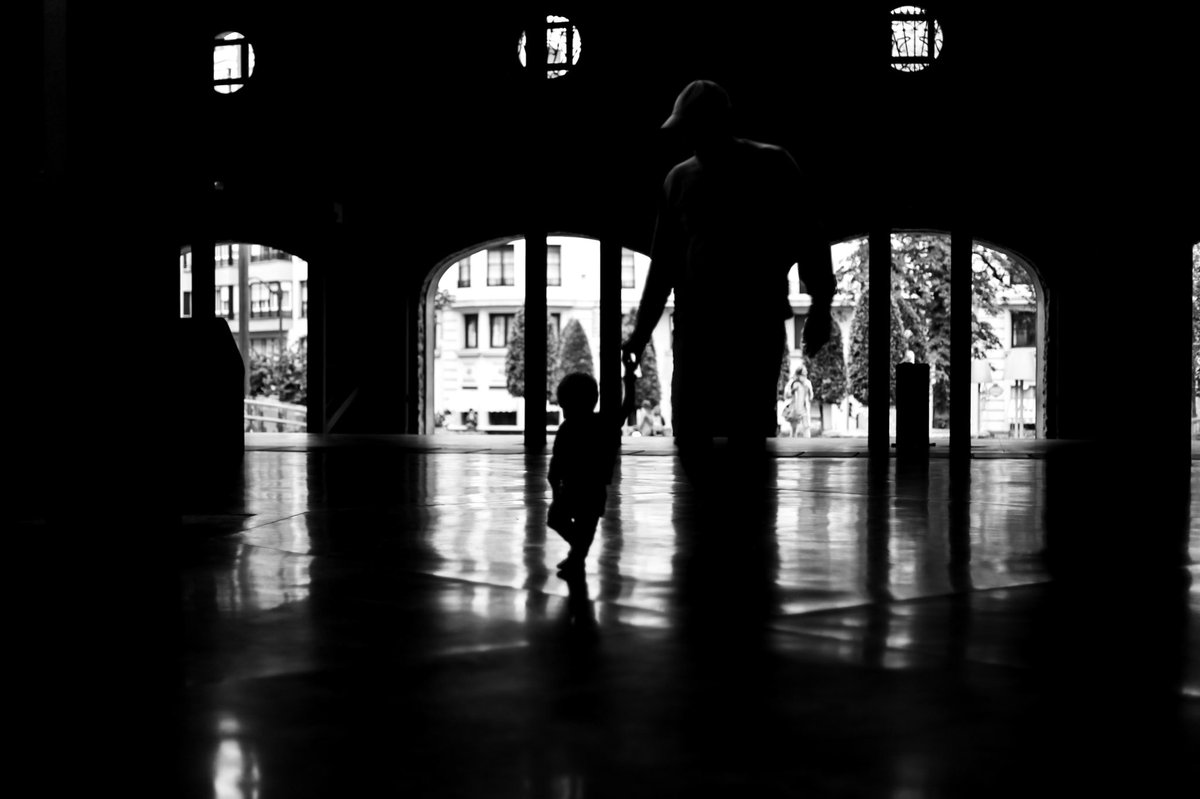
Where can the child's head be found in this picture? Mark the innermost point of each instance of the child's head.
(577, 394)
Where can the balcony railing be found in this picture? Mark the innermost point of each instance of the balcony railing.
(271, 416)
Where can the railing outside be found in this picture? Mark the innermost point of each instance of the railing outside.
(263, 415)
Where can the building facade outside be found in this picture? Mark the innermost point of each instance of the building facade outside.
(262, 292)
(484, 291)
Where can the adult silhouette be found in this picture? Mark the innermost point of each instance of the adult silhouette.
(732, 220)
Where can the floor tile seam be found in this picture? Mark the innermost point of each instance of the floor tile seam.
(919, 651)
(273, 520)
(489, 584)
(913, 600)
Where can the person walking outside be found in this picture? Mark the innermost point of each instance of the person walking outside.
(798, 407)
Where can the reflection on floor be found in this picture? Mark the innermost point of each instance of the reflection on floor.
(386, 621)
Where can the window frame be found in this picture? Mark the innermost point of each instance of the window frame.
(232, 85)
(628, 267)
(506, 266)
(1028, 328)
(220, 302)
(554, 265)
(470, 331)
(507, 320)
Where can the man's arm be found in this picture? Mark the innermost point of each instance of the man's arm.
(665, 250)
(814, 259)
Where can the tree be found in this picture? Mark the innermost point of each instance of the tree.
(649, 386)
(575, 354)
(860, 355)
(514, 359)
(920, 276)
(827, 369)
(284, 375)
(1195, 324)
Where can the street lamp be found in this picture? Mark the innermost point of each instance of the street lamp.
(276, 289)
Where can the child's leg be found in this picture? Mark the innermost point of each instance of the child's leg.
(583, 532)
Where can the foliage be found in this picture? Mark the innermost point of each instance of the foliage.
(1195, 322)
(920, 278)
(575, 353)
(648, 386)
(858, 370)
(514, 359)
(284, 375)
(442, 299)
(827, 369)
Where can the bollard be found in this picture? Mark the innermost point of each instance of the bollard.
(912, 410)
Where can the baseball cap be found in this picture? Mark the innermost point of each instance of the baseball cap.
(700, 102)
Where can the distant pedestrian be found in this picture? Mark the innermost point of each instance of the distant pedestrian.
(798, 406)
(646, 419)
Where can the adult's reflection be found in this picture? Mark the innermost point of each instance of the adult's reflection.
(726, 595)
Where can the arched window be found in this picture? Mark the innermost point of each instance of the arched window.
(563, 47)
(233, 62)
(916, 39)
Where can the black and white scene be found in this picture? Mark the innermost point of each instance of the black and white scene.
(605, 400)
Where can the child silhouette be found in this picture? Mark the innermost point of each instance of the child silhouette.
(581, 466)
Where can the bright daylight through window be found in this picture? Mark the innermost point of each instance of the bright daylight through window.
(233, 62)
(562, 46)
(916, 39)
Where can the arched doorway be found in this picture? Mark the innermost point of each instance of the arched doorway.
(1008, 319)
(471, 333)
(261, 292)
(469, 316)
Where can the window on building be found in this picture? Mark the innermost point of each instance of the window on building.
(187, 303)
(303, 299)
(471, 326)
(554, 265)
(185, 260)
(562, 46)
(226, 254)
(1024, 328)
(224, 302)
(501, 326)
(556, 320)
(916, 39)
(502, 266)
(502, 418)
(627, 274)
(233, 62)
(464, 273)
(269, 300)
(261, 253)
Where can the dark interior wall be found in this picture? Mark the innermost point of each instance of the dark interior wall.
(377, 140)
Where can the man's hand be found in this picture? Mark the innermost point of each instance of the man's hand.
(816, 329)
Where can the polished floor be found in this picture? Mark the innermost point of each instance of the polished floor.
(383, 618)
